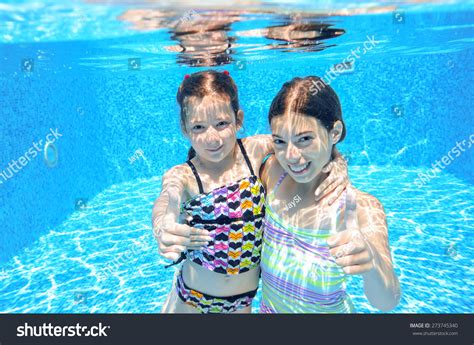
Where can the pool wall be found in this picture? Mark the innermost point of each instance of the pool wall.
(105, 117)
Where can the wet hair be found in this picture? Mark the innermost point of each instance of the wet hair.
(204, 83)
(309, 96)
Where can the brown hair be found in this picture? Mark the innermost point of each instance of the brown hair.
(201, 84)
(309, 96)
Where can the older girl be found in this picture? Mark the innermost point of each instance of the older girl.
(309, 248)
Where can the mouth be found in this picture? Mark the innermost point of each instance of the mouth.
(299, 169)
(215, 150)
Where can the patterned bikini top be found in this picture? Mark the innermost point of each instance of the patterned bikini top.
(233, 214)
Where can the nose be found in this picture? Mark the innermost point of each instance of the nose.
(212, 138)
(292, 154)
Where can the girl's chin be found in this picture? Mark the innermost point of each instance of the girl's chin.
(214, 157)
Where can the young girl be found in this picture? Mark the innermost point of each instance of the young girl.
(224, 202)
(310, 248)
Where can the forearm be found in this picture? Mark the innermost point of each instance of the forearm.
(381, 285)
(161, 208)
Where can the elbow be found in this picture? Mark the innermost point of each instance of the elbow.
(390, 302)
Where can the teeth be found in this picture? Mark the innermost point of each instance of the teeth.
(299, 168)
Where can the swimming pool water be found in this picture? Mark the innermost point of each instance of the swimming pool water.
(103, 258)
(77, 235)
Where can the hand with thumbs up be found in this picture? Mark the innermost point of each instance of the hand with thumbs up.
(361, 247)
(352, 252)
(349, 247)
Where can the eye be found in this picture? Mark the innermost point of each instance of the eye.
(197, 128)
(305, 139)
(223, 124)
(278, 141)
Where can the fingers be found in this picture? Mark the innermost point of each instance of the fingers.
(323, 188)
(171, 256)
(179, 230)
(198, 241)
(166, 240)
(199, 238)
(171, 252)
(347, 249)
(200, 232)
(340, 238)
(332, 187)
(358, 269)
(196, 247)
(354, 259)
(337, 192)
(351, 210)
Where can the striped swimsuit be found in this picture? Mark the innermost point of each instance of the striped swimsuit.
(298, 273)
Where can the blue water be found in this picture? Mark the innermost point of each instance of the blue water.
(76, 235)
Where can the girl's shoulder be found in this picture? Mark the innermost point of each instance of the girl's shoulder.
(178, 176)
(370, 211)
(366, 200)
(271, 172)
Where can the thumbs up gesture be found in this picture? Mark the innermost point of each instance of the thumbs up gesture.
(349, 247)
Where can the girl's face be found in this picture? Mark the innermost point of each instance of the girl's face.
(211, 126)
(303, 145)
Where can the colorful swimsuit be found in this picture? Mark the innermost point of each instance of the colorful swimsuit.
(233, 214)
(298, 273)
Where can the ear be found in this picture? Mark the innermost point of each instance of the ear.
(239, 119)
(336, 132)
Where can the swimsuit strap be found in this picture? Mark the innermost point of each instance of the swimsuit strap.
(180, 259)
(198, 179)
(280, 180)
(242, 148)
(264, 161)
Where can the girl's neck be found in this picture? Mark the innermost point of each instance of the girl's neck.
(308, 189)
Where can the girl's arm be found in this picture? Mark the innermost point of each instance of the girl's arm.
(174, 238)
(381, 285)
(362, 248)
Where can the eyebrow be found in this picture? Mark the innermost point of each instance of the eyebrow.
(303, 133)
(195, 121)
(297, 135)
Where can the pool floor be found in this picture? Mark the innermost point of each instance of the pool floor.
(104, 259)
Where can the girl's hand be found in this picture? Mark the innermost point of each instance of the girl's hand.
(174, 238)
(352, 252)
(351, 249)
(335, 183)
(362, 248)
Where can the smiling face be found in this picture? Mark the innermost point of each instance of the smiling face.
(303, 145)
(211, 126)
